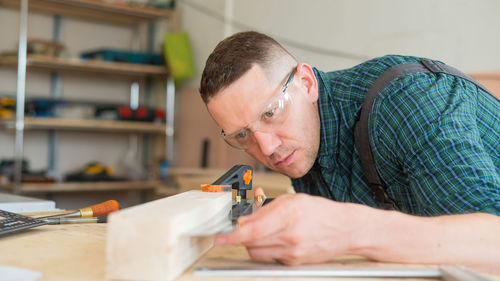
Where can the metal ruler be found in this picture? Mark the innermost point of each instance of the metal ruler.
(448, 273)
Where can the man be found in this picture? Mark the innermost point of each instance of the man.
(435, 139)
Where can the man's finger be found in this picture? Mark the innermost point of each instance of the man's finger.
(273, 240)
(259, 191)
(266, 253)
(222, 239)
(248, 232)
(269, 208)
(261, 224)
(266, 221)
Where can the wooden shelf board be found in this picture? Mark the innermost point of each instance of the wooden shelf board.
(85, 186)
(87, 66)
(118, 13)
(84, 124)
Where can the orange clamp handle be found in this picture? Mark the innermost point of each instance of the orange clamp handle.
(247, 177)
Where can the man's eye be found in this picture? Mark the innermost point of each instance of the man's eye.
(242, 135)
(269, 114)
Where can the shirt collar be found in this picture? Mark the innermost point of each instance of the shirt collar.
(328, 120)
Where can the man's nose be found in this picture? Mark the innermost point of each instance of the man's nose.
(268, 142)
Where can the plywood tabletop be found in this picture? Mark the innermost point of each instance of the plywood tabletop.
(77, 252)
(59, 252)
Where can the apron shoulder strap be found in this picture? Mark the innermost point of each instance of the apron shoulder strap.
(361, 132)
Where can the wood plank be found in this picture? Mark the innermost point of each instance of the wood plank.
(90, 124)
(31, 188)
(106, 11)
(148, 241)
(39, 123)
(86, 66)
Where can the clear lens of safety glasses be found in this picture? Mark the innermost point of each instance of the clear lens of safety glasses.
(271, 118)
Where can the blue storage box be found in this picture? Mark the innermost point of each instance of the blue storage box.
(123, 56)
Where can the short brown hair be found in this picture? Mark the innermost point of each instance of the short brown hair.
(234, 56)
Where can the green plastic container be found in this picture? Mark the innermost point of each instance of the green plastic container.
(178, 56)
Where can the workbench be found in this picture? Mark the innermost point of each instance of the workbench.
(77, 252)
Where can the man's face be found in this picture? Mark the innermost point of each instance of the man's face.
(290, 147)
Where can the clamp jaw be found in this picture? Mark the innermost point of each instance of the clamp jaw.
(239, 177)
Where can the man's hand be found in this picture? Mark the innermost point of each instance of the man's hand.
(299, 229)
(295, 229)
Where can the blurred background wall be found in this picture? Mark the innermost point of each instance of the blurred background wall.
(332, 35)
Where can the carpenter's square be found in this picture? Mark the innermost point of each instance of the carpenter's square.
(444, 272)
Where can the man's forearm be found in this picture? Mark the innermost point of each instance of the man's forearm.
(469, 239)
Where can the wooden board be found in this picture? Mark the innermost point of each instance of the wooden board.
(41, 123)
(31, 188)
(149, 241)
(107, 11)
(87, 66)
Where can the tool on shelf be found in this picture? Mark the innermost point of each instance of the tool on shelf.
(126, 56)
(179, 55)
(44, 47)
(93, 171)
(127, 113)
(7, 107)
(7, 170)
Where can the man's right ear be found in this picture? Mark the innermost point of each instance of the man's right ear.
(307, 79)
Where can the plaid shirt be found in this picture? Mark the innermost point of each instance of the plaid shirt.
(435, 140)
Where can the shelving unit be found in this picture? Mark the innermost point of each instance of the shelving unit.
(94, 10)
